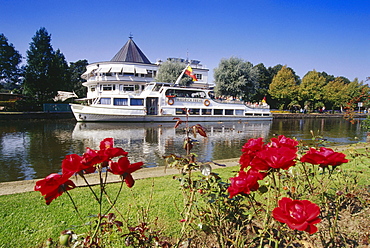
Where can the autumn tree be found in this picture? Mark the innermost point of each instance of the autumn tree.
(284, 87)
(169, 71)
(9, 65)
(237, 78)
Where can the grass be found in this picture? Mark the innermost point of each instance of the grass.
(28, 222)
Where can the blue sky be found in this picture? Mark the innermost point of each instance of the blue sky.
(331, 36)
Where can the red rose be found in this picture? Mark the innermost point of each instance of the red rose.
(245, 182)
(108, 150)
(249, 151)
(53, 186)
(73, 163)
(271, 157)
(324, 157)
(298, 214)
(124, 168)
(284, 141)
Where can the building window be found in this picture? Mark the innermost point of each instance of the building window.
(120, 101)
(136, 102)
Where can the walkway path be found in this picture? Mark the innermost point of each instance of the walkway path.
(15, 187)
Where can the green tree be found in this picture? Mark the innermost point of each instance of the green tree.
(77, 69)
(335, 93)
(59, 73)
(263, 82)
(237, 78)
(169, 71)
(46, 71)
(311, 89)
(284, 86)
(10, 59)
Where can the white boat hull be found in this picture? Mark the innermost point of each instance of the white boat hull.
(95, 114)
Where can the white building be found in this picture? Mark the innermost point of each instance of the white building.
(128, 71)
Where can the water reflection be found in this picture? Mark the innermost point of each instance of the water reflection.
(34, 149)
(149, 142)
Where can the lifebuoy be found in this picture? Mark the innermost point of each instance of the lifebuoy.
(170, 101)
(206, 102)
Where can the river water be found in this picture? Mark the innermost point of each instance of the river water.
(35, 148)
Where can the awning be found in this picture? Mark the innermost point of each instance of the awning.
(104, 69)
(90, 69)
(140, 70)
(129, 69)
(116, 69)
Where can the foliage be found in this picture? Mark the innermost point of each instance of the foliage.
(77, 69)
(310, 90)
(10, 59)
(284, 86)
(169, 71)
(237, 78)
(335, 93)
(46, 71)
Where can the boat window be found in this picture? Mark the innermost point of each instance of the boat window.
(199, 76)
(218, 112)
(206, 111)
(120, 101)
(107, 87)
(185, 93)
(229, 111)
(239, 112)
(194, 111)
(157, 87)
(126, 87)
(180, 111)
(136, 102)
(105, 101)
(92, 89)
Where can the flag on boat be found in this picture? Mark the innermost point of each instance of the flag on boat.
(189, 72)
(264, 100)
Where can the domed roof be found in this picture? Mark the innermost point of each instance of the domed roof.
(130, 52)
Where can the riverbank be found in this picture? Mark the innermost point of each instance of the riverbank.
(68, 115)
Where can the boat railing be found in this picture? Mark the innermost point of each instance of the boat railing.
(248, 104)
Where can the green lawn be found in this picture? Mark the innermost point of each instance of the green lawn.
(28, 222)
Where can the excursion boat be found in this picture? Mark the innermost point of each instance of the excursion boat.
(163, 102)
(123, 89)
